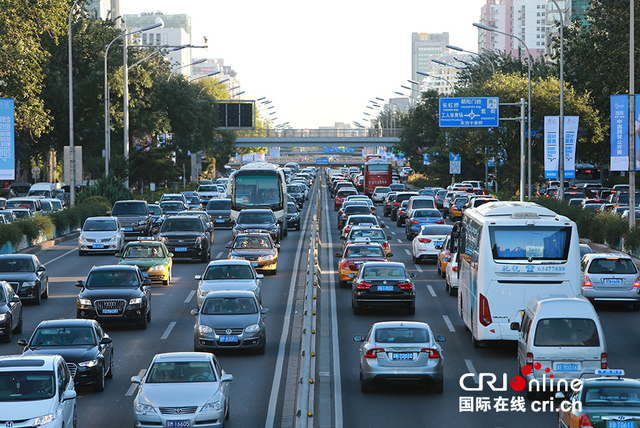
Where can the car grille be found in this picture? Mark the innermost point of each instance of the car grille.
(91, 240)
(252, 259)
(72, 369)
(110, 304)
(144, 268)
(181, 242)
(223, 331)
(178, 410)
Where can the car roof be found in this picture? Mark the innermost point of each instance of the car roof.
(390, 265)
(68, 322)
(16, 256)
(182, 356)
(33, 362)
(113, 267)
(230, 293)
(591, 256)
(227, 262)
(396, 324)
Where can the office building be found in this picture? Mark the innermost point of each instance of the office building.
(424, 47)
(103, 9)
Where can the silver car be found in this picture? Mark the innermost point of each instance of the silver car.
(401, 351)
(610, 276)
(182, 389)
(101, 235)
(228, 275)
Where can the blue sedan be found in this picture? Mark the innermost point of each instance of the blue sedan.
(419, 218)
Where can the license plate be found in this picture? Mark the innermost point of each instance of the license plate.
(253, 230)
(110, 311)
(385, 288)
(98, 246)
(438, 243)
(254, 264)
(620, 424)
(403, 356)
(145, 274)
(228, 338)
(128, 229)
(566, 367)
(220, 221)
(614, 282)
(179, 424)
(181, 249)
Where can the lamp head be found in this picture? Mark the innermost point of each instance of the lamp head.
(455, 48)
(483, 27)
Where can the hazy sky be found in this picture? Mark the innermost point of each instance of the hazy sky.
(319, 62)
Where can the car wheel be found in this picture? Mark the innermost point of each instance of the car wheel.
(142, 325)
(439, 270)
(109, 374)
(38, 298)
(8, 335)
(343, 284)
(45, 295)
(260, 350)
(356, 309)
(453, 291)
(365, 385)
(196, 347)
(298, 226)
(149, 316)
(286, 232)
(227, 413)
(438, 387)
(81, 253)
(99, 386)
(20, 325)
(398, 222)
(205, 256)
(273, 272)
(636, 306)
(446, 285)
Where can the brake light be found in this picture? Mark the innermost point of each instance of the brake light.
(433, 353)
(529, 360)
(395, 204)
(364, 285)
(386, 245)
(587, 282)
(373, 352)
(345, 265)
(415, 222)
(455, 268)
(440, 221)
(485, 312)
(424, 240)
(405, 286)
(584, 421)
(637, 283)
(603, 360)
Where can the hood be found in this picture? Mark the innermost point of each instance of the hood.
(229, 321)
(215, 213)
(181, 233)
(99, 235)
(110, 293)
(249, 252)
(179, 394)
(261, 226)
(21, 410)
(71, 354)
(18, 276)
(232, 284)
(146, 262)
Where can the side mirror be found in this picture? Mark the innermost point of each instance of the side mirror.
(136, 379)
(69, 395)
(105, 340)
(15, 299)
(413, 275)
(197, 277)
(441, 338)
(559, 395)
(264, 311)
(390, 255)
(146, 282)
(259, 275)
(343, 237)
(358, 338)
(170, 255)
(22, 342)
(276, 246)
(79, 283)
(194, 312)
(41, 269)
(227, 246)
(226, 378)
(514, 326)
(108, 212)
(118, 254)
(338, 255)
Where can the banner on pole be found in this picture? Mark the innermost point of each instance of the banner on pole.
(7, 139)
(551, 147)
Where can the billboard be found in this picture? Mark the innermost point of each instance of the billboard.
(551, 147)
(620, 132)
(7, 140)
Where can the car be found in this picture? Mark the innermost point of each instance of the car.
(33, 204)
(387, 204)
(193, 202)
(170, 208)
(26, 275)
(20, 213)
(258, 248)
(455, 213)
(293, 216)
(359, 220)
(428, 241)
(115, 293)
(373, 234)
(610, 277)
(134, 216)
(182, 389)
(341, 194)
(219, 211)
(420, 217)
(206, 192)
(383, 284)
(444, 257)
(297, 192)
(8, 216)
(400, 197)
(451, 275)
(205, 219)
(585, 249)
(439, 197)
(379, 194)
(349, 210)
(397, 187)
(174, 197)
(186, 237)
(152, 258)
(101, 235)
(401, 351)
(228, 274)
(85, 347)
(230, 319)
(156, 217)
(257, 220)
(354, 255)
(401, 213)
(10, 312)
(37, 391)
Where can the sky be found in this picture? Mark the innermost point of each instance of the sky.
(319, 62)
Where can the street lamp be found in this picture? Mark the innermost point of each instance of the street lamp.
(455, 48)
(457, 67)
(561, 121)
(196, 62)
(494, 30)
(422, 73)
(205, 76)
(72, 147)
(107, 119)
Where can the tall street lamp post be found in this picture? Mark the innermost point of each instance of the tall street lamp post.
(455, 48)
(422, 73)
(72, 147)
(561, 124)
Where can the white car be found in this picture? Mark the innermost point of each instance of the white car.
(428, 241)
(379, 194)
(101, 235)
(37, 390)
(228, 274)
(451, 276)
(182, 389)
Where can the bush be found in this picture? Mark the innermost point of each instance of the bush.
(29, 228)
(616, 228)
(10, 233)
(108, 187)
(632, 240)
(46, 225)
(421, 180)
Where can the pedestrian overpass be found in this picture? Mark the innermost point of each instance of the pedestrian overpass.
(356, 138)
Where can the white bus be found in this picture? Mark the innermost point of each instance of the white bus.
(510, 252)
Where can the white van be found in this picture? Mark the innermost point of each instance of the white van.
(48, 190)
(560, 339)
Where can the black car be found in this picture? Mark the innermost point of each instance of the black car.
(219, 211)
(293, 216)
(297, 192)
(170, 208)
(186, 237)
(26, 275)
(85, 347)
(383, 284)
(115, 293)
(156, 216)
(351, 210)
(257, 220)
(134, 216)
(10, 312)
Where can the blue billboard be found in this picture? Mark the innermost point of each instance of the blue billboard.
(7, 140)
(620, 132)
(469, 112)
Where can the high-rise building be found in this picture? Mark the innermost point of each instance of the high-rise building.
(103, 9)
(424, 47)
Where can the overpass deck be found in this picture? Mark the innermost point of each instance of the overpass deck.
(318, 138)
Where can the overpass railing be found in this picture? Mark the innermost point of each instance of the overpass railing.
(319, 133)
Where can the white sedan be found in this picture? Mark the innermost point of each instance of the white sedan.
(427, 242)
(451, 277)
(101, 235)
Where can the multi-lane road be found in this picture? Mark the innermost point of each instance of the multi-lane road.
(261, 391)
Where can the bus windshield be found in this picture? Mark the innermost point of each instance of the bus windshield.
(258, 190)
(526, 243)
(379, 167)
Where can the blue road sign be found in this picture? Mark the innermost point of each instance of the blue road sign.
(469, 112)
(322, 161)
(454, 164)
(7, 139)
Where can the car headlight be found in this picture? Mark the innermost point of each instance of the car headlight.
(81, 238)
(43, 420)
(269, 257)
(142, 222)
(157, 268)
(202, 292)
(204, 329)
(89, 364)
(253, 328)
(136, 301)
(3, 317)
(236, 258)
(163, 239)
(143, 409)
(84, 302)
(212, 406)
(29, 284)
(199, 240)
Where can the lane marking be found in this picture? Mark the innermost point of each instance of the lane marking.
(471, 369)
(167, 332)
(418, 268)
(447, 321)
(433, 293)
(190, 296)
(407, 251)
(59, 257)
(219, 255)
(134, 386)
(392, 232)
(399, 241)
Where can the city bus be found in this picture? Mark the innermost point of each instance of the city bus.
(510, 252)
(377, 172)
(587, 173)
(259, 185)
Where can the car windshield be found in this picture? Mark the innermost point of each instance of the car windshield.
(182, 225)
(291, 208)
(155, 210)
(612, 265)
(229, 306)
(113, 279)
(357, 209)
(193, 200)
(427, 214)
(423, 203)
(26, 385)
(363, 220)
(566, 332)
(124, 208)
(219, 204)
(402, 335)
(16, 265)
(257, 218)
(293, 189)
(372, 234)
(211, 188)
(382, 190)
(252, 242)
(180, 372)
(63, 336)
(383, 272)
(228, 272)
(364, 252)
(172, 206)
(143, 252)
(611, 395)
(99, 226)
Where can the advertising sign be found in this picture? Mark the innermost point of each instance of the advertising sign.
(551, 148)
(620, 132)
(7, 140)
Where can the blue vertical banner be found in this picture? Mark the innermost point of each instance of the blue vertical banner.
(7, 139)
(620, 132)
(454, 164)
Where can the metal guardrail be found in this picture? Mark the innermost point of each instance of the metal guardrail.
(319, 133)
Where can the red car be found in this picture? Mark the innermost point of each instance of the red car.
(342, 195)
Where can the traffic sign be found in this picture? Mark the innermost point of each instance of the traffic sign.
(469, 112)
(322, 161)
(454, 164)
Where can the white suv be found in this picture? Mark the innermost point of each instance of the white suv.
(36, 390)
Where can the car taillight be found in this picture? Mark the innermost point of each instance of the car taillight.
(603, 360)
(455, 268)
(395, 204)
(584, 421)
(440, 221)
(345, 265)
(424, 240)
(364, 285)
(386, 245)
(415, 222)
(347, 229)
(485, 312)
(373, 352)
(587, 282)
(529, 360)
(637, 283)
(433, 353)
(405, 286)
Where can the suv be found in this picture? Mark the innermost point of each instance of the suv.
(219, 211)
(187, 236)
(400, 198)
(134, 216)
(610, 276)
(257, 220)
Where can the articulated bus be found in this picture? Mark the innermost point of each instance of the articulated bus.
(377, 172)
(508, 253)
(259, 185)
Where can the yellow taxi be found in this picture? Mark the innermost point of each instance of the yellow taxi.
(356, 254)
(444, 257)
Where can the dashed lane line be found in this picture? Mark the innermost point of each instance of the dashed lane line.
(418, 268)
(134, 386)
(219, 255)
(433, 293)
(399, 241)
(407, 251)
(447, 321)
(167, 332)
(61, 256)
(190, 296)
(471, 369)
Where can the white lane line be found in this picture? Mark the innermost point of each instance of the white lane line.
(418, 268)
(134, 386)
(433, 293)
(447, 321)
(219, 255)
(59, 257)
(190, 296)
(407, 251)
(471, 369)
(167, 332)
(399, 241)
(392, 232)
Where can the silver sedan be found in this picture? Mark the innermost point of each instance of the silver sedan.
(228, 275)
(182, 389)
(401, 351)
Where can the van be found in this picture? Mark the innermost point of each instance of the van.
(48, 190)
(559, 340)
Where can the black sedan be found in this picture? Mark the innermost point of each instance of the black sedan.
(86, 348)
(257, 220)
(10, 312)
(26, 275)
(115, 293)
(383, 284)
(186, 237)
(293, 216)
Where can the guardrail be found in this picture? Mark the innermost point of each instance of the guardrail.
(319, 133)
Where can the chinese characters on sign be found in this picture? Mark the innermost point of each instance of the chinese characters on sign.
(551, 131)
(620, 132)
(7, 139)
(454, 164)
(469, 112)
(498, 404)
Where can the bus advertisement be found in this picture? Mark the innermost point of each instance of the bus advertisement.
(377, 172)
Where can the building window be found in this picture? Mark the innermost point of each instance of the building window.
(158, 39)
